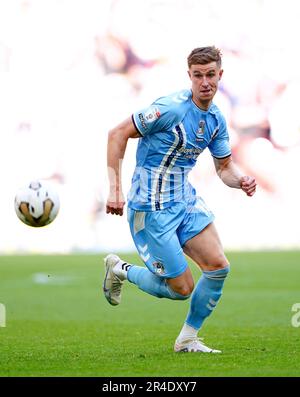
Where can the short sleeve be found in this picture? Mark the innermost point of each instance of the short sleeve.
(220, 145)
(155, 118)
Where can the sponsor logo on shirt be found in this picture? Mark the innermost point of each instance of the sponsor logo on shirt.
(143, 121)
(190, 153)
(152, 114)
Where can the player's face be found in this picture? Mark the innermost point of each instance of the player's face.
(205, 79)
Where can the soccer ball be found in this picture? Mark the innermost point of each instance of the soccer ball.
(37, 204)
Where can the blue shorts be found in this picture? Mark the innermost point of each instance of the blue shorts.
(160, 235)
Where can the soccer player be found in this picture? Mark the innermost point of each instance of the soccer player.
(167, 219)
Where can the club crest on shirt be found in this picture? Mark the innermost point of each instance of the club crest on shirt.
(158, 267)
(200, 132)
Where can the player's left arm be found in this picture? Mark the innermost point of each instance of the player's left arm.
(232, 176)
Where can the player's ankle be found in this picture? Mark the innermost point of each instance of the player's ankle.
(187, 333)
(121, 270)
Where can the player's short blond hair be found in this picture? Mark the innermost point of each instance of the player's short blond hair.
(204, 55)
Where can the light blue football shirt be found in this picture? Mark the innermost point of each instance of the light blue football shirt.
(174, 132)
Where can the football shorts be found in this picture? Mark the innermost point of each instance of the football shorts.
(160, 235)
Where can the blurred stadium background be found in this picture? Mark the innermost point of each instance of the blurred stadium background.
(71, 69)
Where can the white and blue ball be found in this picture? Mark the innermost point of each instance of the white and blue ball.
(37, 204)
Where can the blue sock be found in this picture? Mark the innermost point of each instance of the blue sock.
(152, 284)
(205, 296)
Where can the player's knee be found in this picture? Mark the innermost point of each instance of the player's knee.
(182, 286)
(220, 265)
(222, 270)
(183, 291)
(186, 291)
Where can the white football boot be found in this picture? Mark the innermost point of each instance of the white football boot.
(194, 345)
(112, 284)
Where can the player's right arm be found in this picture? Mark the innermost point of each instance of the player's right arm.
(116, 146)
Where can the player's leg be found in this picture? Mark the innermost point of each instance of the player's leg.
(117, 271)
(159, 286)
(206, 250)
(156, 240)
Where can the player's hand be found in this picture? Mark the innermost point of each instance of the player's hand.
(248, 185)
(115, 203)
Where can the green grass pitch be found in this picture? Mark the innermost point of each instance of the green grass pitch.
(58, 322)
